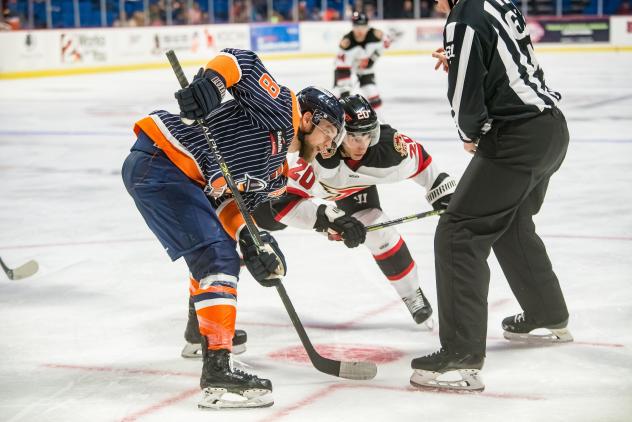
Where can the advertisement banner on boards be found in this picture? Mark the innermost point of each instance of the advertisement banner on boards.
(569, 30)
(280, 37)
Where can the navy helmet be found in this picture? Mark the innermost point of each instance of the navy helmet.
(360, 119)
(324, 106)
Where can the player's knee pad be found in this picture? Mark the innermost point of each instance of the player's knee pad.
(377, 241)
(366, 79)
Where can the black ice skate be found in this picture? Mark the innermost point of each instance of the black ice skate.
(224, 387)
(419, 308)
(193, 348)
(443, 370)
(519, 328)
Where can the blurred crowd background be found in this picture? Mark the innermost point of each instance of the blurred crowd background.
(35, 14)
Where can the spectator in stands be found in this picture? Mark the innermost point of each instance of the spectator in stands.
(331, 15)
(408, 11)
(157, 15)
(624, 8)
(370, 11)
(194, 14)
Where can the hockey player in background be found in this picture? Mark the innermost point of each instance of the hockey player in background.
(359, 49)
(370, 154)
(179, 190)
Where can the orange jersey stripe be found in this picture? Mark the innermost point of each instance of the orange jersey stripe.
(230, 217)
(296, 113)
(226, 65)
(185, 163)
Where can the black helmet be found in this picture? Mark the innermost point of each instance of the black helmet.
(359, 18)
(360, 118)
(323, 105)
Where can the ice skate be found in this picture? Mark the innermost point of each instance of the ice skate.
(447, 371)
(520, 328)
(420, 309)
(224, 387)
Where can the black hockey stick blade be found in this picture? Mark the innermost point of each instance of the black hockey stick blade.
(23, 271)
(353, 370)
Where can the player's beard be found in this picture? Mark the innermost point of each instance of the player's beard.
(308, 152)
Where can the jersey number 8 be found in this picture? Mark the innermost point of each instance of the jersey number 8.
(266, 82)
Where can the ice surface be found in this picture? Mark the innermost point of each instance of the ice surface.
(96, 333)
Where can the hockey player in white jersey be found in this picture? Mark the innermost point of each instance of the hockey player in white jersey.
(370, 154)
(359, 49)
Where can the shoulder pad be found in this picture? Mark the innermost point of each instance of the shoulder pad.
(374, 35)
(387, 133)
(345, 43)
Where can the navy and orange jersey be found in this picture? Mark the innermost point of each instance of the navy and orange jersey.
(252, 131)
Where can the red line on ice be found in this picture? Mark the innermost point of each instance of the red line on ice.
(161, 405)
(326, 391)
(123, 370)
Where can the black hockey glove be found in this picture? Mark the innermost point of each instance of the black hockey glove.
(202, 96)
(441, 192)
(268, 266)
(350, 228)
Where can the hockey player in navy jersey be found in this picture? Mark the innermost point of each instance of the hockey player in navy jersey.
(179, 190)
(370, 154)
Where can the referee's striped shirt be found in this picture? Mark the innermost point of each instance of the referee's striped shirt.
(493, 72)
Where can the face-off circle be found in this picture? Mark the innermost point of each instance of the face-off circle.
(340, 352)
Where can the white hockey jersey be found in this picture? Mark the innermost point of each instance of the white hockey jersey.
(359, 57)
(394, 158)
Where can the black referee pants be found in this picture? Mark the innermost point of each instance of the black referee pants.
(501, 189)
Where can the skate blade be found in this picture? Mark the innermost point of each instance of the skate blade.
(220, 398)
(558, 335)
(194, 350)
(462, 380)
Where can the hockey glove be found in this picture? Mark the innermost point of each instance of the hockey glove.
(202, 96)
(350, 228)
(441, 192)
(267, 266)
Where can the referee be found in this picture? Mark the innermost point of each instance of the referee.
(507, 117)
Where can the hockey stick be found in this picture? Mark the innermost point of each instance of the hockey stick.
(25, 270)
(401, 220)
(350, 370)
(379, 226)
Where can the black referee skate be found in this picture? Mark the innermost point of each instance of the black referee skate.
(444, 370)
(193, 349)
(519, 328)
(419, 308)
(224, 387)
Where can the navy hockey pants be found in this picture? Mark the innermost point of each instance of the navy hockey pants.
(178, 212)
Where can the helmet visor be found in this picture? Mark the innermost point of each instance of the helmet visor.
(329, 127)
